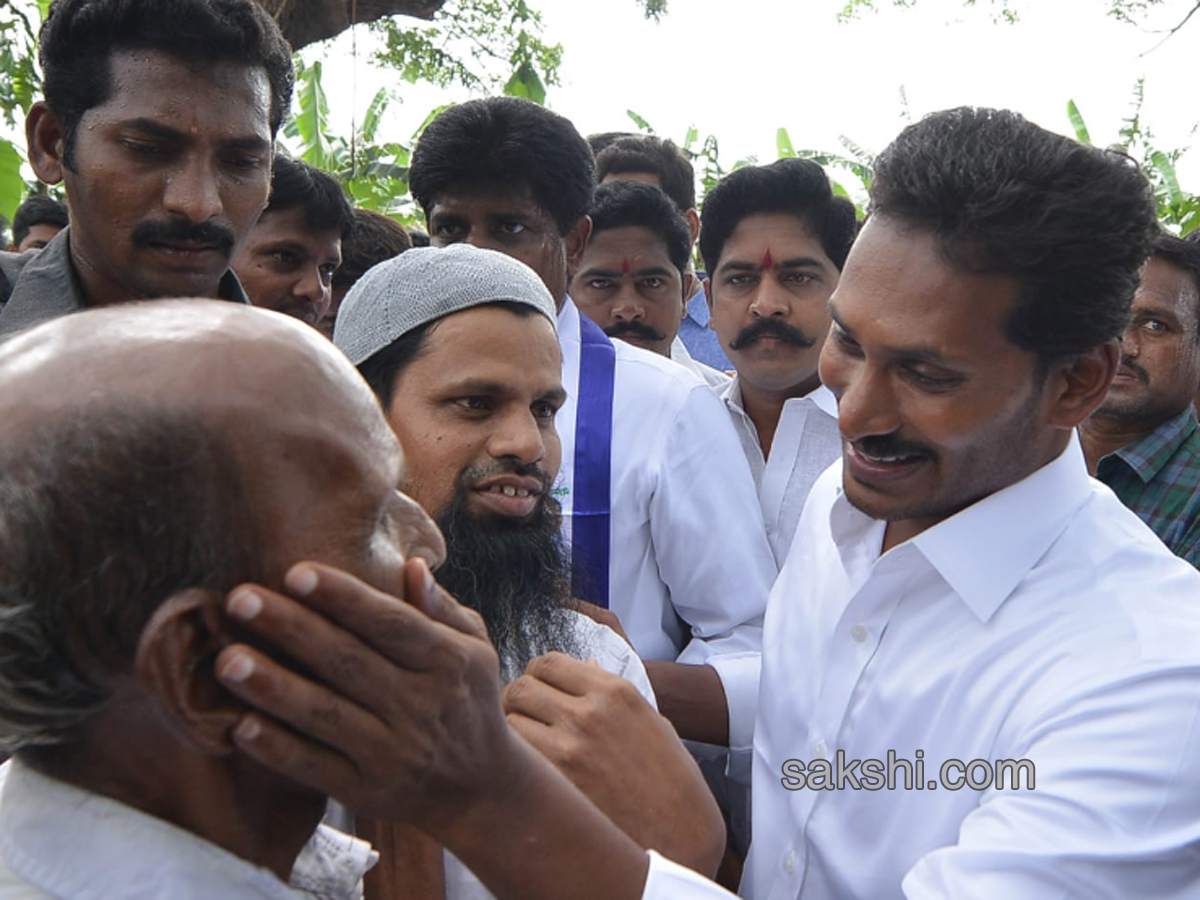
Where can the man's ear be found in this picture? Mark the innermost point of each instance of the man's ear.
(46, 143)
(689, 286)
(709, 300)
(174, 665)
(693, 220)
(576, 242)
(1078, 385)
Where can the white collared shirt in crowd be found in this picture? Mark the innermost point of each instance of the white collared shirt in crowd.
(714, 378)
(58, 842)
(806, 442)
(690, 566)
(1045, 622)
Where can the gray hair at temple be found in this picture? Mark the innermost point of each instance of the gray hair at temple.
(105, 512)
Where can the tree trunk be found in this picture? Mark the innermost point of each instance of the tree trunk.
(304, 22)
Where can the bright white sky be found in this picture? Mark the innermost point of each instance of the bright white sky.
(740, 69)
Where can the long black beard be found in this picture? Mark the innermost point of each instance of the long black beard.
(515, 575)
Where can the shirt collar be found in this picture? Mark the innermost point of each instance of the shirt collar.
(986, 550)
(108, 843)
(820, 396)
(568, 321)
(1148, 455)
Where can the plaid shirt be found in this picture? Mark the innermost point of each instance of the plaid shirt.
(1158, 477)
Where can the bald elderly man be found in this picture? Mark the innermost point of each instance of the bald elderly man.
(131, 519)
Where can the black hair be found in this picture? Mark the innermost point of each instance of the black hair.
(1002, 196)
(382, 369)
(505, 142)
(38, 210)
(1183, 253)
(79, 37)
(654, 156)
(103, 516)
(794, 187)
(372, 239)
(601, 140)
(620, 204)
(297, 185)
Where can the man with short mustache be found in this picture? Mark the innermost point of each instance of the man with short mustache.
(774, 239)
(1143, 441)
(632, 279)
(159, 119)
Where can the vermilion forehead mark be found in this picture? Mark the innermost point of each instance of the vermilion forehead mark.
(624, 266)
(767, 261)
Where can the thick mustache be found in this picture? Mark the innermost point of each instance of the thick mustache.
(637, 329)
(773, 327)
(885, 445)
(152, 231)
(1142, 374)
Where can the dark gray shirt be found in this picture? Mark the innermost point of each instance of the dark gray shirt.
(39, 285)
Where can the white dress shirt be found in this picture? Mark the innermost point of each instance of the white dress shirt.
(613, 654)
(714, 378)
(1045, 622)
(690, 566)
(806, 442)
(667, 880)
(58, 842)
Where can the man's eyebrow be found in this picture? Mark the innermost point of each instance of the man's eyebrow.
(166, 132)
(613, 273)
(914, 353)
(1158, 312)
(556, 395)
(796, 262)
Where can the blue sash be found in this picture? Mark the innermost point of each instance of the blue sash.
(591, 492)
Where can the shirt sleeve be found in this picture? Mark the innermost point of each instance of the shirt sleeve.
(670, 881)
(709, 539)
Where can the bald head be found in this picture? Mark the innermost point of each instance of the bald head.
(164, 447)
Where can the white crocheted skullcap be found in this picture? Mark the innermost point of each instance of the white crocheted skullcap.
(427, 283)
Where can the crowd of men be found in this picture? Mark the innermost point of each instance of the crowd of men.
(538, 563)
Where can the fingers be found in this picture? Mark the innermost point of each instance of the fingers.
(570, 675)
(312, 709)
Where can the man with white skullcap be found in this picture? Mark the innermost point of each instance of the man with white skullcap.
(460, 346)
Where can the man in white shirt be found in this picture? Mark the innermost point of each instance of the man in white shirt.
(650, 460)
(774, 241)
(965, 618)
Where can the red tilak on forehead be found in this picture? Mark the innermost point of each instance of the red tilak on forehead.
(767, 261)
(625, 267)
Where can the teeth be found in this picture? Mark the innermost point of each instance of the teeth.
(509, 491)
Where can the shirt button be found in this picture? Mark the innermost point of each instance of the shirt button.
(819, 750)
(858, 633)
(789, 863)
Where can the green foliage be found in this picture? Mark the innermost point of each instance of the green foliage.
(483, 45)
(1177, 209)
(1003, 11)
(372, 170)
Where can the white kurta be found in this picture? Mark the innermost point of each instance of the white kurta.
(1046, 623)
(806, 443)
(690, 565)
